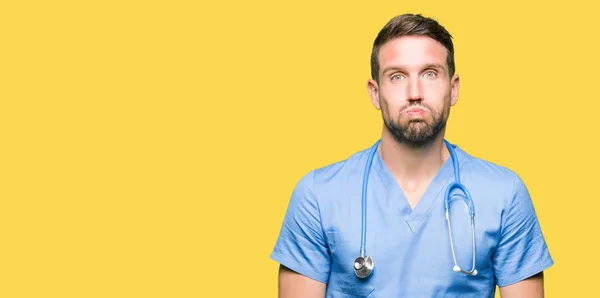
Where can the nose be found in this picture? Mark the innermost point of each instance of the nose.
(414, 90)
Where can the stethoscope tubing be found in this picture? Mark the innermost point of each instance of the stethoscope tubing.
(455, 185)
(363, 236)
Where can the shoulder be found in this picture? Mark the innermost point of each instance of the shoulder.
(496, 180)
(353, 163)
(498, 192)
(334, 175)
(484, 170)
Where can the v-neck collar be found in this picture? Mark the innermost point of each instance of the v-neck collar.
(435, 190)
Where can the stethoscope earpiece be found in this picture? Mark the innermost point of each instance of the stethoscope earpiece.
(457, 269)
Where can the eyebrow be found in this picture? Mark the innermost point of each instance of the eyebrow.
(426, 66)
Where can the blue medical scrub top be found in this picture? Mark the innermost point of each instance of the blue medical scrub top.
(321, 232)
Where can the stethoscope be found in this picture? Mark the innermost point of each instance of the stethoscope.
(363, 265)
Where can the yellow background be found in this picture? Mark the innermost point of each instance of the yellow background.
(149, 148)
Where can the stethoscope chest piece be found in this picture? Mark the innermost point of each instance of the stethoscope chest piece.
(363, 266)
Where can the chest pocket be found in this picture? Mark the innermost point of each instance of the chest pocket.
(344, 249)
(356, 288)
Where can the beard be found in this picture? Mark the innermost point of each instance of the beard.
(418, 133)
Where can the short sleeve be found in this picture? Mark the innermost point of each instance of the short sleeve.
(522, 251)
(301, 245)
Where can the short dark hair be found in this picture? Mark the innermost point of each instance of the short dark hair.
(412, 25)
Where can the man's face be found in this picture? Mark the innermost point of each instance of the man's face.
(414, 92)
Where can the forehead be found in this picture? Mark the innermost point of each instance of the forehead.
(412, 51)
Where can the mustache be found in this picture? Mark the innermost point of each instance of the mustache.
(417, 105)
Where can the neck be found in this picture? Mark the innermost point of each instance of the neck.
(409, 163)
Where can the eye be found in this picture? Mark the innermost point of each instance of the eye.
(397, 77)
(430, 74)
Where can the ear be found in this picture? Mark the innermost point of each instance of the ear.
(454, 84)
(373, 89)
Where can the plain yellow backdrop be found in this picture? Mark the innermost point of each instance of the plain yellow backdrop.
(149, 148)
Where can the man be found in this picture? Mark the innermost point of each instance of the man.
(416, 250)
